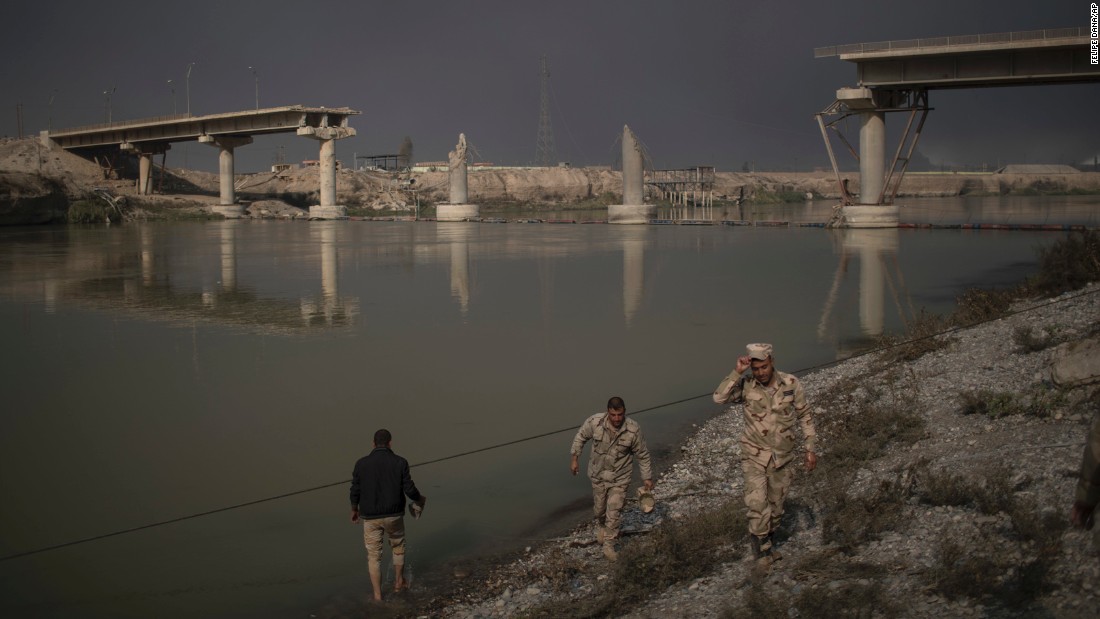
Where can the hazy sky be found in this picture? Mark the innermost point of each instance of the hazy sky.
(702, 82)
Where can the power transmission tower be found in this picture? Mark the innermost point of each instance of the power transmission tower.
(545, 149)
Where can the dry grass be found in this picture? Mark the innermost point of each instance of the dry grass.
(1069, 264)
(675, 552)
(1028, 340)
(987, 567)
(1036, 401)
(922, 336)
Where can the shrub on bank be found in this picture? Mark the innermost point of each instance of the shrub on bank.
(88, 211)
(1068, 264)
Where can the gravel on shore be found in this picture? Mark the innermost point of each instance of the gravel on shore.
(1033, 443)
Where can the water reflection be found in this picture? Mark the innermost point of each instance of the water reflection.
(633, 243)
(458, 236)
(137, 272)
(331, 309)
(495, 315)
(879, 270)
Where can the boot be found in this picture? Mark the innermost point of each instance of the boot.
(771, 552)
(609, 551)
(760, 546)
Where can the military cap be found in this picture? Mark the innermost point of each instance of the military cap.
(760, 352)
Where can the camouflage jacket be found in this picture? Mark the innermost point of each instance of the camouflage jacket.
(769, 417)
(1088, 484)
(613, 451)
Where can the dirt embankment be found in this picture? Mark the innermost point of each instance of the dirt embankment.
(40, 184)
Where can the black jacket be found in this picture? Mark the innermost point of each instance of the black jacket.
(379, 484)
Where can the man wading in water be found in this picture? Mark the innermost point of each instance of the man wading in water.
(379, 484)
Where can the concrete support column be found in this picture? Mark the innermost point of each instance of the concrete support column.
(633, 210)
(145, 176)
(227, 204)
(457, 209)
(632, 168)
(872, 156)
(327, 209)
(327, 163)
(460, 189)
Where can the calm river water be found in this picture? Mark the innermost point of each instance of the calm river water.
(154, 371)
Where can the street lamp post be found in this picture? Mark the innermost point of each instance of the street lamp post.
(188, 83)
(107, 94)
(256, 78)
(173, 89)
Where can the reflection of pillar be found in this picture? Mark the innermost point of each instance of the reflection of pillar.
(147, 267)
(632, 210)
(872, 156)
(50, 289)
(329, 288)
(227, 205)
(327, 209)
(460, 274)
(229, 256)
(874, 247)
(633, 274)
(458, 237)
(457, 209)
(331, 309)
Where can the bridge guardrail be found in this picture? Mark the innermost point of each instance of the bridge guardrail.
(123, 123)
(966, 39)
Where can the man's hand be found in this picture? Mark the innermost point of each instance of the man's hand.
(811, 461)
(574, 466)
(648, 483)
(1080, 515)
(743, 363)
(355, 514)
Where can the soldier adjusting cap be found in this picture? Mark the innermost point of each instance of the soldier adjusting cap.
(760, 352)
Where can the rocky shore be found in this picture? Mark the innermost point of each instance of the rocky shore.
(943, 489)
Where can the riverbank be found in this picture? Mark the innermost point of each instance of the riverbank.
(945, 478)
(46, 184)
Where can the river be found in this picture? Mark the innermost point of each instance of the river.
(161, 370)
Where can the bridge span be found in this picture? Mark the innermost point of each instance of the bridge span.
(152, 136)
(896, 76)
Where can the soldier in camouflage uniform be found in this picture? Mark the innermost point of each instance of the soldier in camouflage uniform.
(1088, 485)
(773, 402)
(616, 441)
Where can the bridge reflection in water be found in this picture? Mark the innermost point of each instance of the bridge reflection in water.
(138, 274)
(879, 273)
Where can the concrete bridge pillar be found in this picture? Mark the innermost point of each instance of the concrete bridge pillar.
(145, 177)
(869, 212)
(632, 210)
(457, 209)
(872, 156)
(327, 209)
(227, 205)
(145, 153)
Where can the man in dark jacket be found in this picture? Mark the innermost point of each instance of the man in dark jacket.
(379, 485)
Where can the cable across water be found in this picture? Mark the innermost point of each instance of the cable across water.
(515, 441)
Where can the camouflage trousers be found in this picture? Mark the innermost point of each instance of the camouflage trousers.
(607, 503)
(394, 528)
(765, 489)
